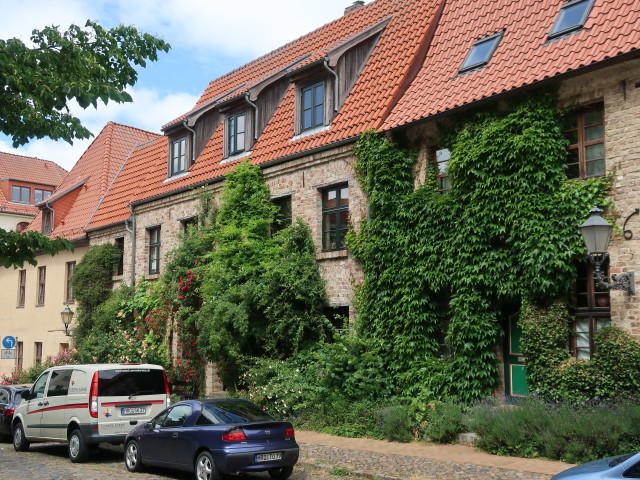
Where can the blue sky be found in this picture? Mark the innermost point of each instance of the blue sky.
(208, 39)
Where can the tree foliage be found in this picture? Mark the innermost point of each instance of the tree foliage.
(18, 248)
(438, 268)
(86, 65)
(262, 295)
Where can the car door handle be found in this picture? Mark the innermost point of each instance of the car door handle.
(175, 435)
(43, 404)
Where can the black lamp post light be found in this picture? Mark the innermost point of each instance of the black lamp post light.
(596, 232)
(67, 318)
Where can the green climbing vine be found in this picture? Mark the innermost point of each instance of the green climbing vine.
(440, 268)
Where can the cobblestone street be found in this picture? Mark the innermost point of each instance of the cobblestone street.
(317, 462)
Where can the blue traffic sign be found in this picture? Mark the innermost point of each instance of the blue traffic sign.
(9, 342)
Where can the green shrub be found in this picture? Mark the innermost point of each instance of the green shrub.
(444, 423)
(396, 424)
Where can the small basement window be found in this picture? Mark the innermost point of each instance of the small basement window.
(572, 16)
(481, 52)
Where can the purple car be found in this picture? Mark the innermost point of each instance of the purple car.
(212, 438)
(10, 398)
(619, 467)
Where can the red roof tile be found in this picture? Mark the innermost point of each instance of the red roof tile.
(524, 56)
(76, 199)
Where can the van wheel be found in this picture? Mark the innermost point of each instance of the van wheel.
(78, 450)
(206, 468)
(132, 456)
(20, 442)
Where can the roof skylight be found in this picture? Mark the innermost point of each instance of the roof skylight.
(481, 52)
(572, 16)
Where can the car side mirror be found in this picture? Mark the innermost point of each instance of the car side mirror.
(148, 425)
(26, 395)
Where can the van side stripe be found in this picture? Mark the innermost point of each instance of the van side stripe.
(127, 403)
(59, 407)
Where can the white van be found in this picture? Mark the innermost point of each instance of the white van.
(85, 405)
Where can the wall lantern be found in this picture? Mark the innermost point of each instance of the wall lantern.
(596, 232)
(67, 318)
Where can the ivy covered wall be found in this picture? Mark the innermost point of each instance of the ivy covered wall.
(439, 268)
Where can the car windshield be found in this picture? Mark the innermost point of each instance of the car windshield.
(130, 382)
(622, 458)
(236, 412)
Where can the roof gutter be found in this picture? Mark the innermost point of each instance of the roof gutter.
(255, 115)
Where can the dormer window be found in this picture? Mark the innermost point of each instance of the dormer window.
(178, 162)
(572, 16)
(312, 101)
(40, 195)
(20, 194)
(236, 133)
(481, 52)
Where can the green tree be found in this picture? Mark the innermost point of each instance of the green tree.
(38, 82)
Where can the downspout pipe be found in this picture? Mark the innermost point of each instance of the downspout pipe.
(325, 64)
(132, 230)
(193, 141)
(255, 116)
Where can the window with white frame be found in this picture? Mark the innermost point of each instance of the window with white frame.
(178, 161)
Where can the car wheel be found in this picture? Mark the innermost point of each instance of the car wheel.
(281, 473)
(78, 450)
(205, 467)
(132, 456)
(20, 442)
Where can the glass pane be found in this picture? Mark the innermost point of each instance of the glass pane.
(318, 116)
(344, 196)
(571, 16)
(595, 152)
(582, 354)
(318, 93)
(582, 325)
(594, 133)
(37, 196)
(593, 116)
(306, 119)
(444, 183)
(344, 219)
(573, 171)
(240, 142)
(330, 220)
(572, 136)
(582, 340)
(306, 98)
(15, 194)
(602, 322)
(595, 168)
(480, 53)
(47, 194)
(241, 123)
(330, 199)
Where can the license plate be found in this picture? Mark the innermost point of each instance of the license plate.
(268, 457)
(133, 410)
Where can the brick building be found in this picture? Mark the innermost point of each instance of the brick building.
(403, 68)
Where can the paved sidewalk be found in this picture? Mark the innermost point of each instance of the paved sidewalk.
(437, 458)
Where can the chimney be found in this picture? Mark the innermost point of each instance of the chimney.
(356, 5)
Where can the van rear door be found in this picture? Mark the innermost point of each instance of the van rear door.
(128, 396)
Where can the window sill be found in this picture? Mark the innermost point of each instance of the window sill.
(176, 177)
(40, 305)
(331, 254)
(237, 156)
(307, 133)
(152, 276)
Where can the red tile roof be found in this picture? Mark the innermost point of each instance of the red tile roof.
(29, 170)
(76, 199)
(524, 56)
(411, 73)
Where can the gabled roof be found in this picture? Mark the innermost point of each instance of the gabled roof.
(29, 170)
(78, 196)
(525, 55)
(411, 74)
(370, 97)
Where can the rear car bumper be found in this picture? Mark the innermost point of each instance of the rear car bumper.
(245, 461)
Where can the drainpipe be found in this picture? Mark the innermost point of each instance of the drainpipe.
(335, 84)
(132, 231)
(255, 116)
(193, 142)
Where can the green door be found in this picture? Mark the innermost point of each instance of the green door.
(515, 374)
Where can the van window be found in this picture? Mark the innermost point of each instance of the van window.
(124, 382)
(59, 383)
(38, 387)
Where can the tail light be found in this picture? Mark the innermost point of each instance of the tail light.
(93, 396)
(235, 435)
(166, 388)
(289, 432)
(8, 412)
